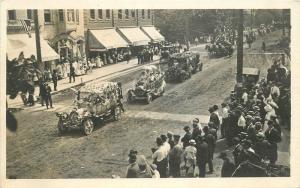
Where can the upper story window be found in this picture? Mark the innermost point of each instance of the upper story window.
(47, 16)
(61, 16)
(143, 13)
(100, 14)
(149, 13)
(77, 16)
(70, 15)
(107, 14)
(11, 14)
(29, 14)
(92, 14)
(126, 14)
(120, 15)
(133, 13)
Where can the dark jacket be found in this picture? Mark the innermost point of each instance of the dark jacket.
(215, 119)
(211, 143)
(196, 132)
(185, 139)
(227, 168)
(202, 152)
(133, 170)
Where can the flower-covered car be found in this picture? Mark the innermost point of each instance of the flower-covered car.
(150, 84)
(93, 102)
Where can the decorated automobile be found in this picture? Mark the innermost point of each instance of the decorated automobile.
(149, 85)
(182, 65)
(99, 101)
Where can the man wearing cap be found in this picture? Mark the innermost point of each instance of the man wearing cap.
(132, 169)
(190, 158)
(175, 158)
(187, 137)
(196, 129)
(160, 158)
(202, 155)
(214, 118)
(227, 167)
(225, 112)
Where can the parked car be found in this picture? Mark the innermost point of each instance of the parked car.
(149, 85)
(93, 102)
(182, 65)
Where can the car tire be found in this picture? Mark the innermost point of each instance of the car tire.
(129, 97)
(149, 98)
(62, 129)
(88, 126)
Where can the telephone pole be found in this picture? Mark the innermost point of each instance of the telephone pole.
(38, 42)
(239, 75)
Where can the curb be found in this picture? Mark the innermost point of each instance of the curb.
(139, 65)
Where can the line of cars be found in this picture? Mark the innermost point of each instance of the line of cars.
(102, 101)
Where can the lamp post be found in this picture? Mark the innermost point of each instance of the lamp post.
(239, 66)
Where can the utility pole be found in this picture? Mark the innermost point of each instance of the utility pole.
(112, 18)
(233, 26)
(187, 32)
(239, 75)
(38, 42)
(283, 23)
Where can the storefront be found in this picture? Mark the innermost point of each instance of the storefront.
(17, 43)
(69, 46)
(135, 37)
(106, 44)
(153, 34)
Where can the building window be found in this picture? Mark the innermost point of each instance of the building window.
(143, 13)
(12, 15)
(126, 14)
(70, 15)
(92, 14)
(29, 14)
(61, 16)
(100, 14)
(107, 14)
(47, 16)
(133, 13)
(120, 15)
(77, 16)
(149, 13)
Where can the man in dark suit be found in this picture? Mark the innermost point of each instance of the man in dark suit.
(202, 155)
(211, 142)
(273, 137)
(72, 73)
(214, 118)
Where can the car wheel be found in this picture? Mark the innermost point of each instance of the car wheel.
(88, 126)
(149, 98)
(117, 114)
(61, 127)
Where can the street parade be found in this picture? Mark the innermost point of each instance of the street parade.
(152, 100)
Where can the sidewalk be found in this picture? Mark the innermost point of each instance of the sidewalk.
(106, 71)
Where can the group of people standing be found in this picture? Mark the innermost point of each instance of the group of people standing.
(146, 55)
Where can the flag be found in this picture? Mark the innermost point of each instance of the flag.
(26, 24)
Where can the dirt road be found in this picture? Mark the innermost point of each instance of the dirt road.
(36, 150)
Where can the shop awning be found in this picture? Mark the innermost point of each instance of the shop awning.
(105, 39)
(152, 33)
(17, 43)
(135, 36)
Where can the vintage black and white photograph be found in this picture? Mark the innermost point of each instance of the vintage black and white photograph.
(148, 93)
